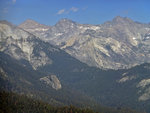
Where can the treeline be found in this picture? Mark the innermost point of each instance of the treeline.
(14, 103)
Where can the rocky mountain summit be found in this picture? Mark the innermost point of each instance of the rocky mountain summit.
(34, 27)
(120, 43)
(22, 45)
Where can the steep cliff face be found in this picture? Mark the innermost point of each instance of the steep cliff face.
(120, 43)
(22, 45)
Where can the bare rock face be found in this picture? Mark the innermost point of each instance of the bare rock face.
(144, 86)
(23, 45)
(120, 43)
(141, 82)
(34, 27)
(52, 81)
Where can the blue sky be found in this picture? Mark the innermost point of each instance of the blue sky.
(82, 11)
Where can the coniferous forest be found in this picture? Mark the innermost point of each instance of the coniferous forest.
(14, 103)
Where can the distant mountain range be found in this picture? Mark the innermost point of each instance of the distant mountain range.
(117, 44)
(40, 67)
(22, 57)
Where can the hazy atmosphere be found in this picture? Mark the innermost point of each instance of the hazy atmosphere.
(74, 56)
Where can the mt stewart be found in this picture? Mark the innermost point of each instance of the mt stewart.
(117, 44)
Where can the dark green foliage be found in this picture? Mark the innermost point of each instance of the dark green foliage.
(13, 103)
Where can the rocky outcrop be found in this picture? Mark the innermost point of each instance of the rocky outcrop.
(144, 91)
(52, 81)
